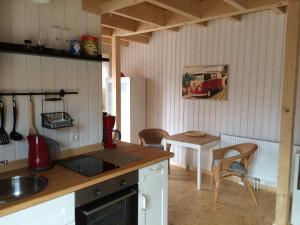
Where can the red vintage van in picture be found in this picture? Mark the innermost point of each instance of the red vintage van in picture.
(205, 84)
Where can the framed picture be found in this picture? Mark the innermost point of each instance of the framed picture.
(205, 82)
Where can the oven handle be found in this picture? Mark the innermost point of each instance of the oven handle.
(88, 213)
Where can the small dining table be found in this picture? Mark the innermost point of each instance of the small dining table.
(192, 142)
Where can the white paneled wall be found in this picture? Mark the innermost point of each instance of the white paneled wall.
(22, 19)
(253, 49)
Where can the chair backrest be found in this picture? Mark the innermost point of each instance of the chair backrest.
(245, 149)
(152, 136)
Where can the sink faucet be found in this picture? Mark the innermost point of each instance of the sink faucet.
(4, 162)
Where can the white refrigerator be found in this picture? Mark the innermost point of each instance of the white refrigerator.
(296, 191)
(133, 106)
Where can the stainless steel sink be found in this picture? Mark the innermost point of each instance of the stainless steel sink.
(17, 187)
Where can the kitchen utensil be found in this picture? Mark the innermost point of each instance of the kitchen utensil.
(195, 133)
(3, 135)
(56, 120)
(110, 135)
(40, 150)
(14, 135)
(32, 127)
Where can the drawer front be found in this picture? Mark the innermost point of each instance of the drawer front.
(59, 211)
(158, 171)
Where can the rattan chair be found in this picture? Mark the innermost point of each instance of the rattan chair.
(236, 165)
(153, 138)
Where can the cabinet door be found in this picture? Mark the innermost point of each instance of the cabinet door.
(59, 211)
(153, 195)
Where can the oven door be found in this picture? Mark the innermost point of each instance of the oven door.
(119, 208)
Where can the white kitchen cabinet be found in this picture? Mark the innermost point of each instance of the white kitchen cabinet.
(296, 192)
(153, 195)
(133, 106)
(59, 211)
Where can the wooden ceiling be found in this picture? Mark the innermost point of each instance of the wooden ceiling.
(134, 20)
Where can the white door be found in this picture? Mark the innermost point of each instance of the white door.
(153, 195)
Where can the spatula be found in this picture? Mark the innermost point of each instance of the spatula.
(14, 135)
(3, 135)
(32, 127)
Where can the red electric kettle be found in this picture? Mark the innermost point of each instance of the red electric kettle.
(40, 151)
(40, 147)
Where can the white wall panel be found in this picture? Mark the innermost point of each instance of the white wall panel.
(22, 19)
(254, 51)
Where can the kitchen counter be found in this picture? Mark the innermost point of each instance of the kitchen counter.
(62, 181)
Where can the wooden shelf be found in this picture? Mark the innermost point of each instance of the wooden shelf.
(46, 52)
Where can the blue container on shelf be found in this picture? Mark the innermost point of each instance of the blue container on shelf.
(75, 47)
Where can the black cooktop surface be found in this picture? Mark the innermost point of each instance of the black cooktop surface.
(87, 165)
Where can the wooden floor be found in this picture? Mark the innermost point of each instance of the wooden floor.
(187, 206)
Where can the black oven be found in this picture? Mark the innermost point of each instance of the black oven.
(113, 202)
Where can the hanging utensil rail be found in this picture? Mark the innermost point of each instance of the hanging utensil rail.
(61, 93)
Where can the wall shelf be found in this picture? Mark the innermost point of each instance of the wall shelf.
(46, 52)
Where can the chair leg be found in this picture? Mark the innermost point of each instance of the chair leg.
(216, 191)
(249, 188)
(211, 180)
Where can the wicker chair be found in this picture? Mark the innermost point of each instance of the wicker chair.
(153, 138)
(236, 165)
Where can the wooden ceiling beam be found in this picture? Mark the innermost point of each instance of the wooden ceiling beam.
(279, 10)
(136, 38)
(119, 22)
(174, 29)
(203, 24)
(107, 31)
(104, 6)
(209, 10)
(236, 18)
(108, 41)
(237, 4)
(144, 12)
(149, 34)
(187, 8)
(267, 3)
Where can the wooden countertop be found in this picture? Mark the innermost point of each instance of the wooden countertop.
(182, 137)
(62, 181)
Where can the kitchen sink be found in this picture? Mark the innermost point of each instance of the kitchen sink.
(17, 187)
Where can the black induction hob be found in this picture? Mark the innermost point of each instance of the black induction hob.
(87, 165)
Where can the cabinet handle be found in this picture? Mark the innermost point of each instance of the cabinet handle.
(156, 169)
(144, 206)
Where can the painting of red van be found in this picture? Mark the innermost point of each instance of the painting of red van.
(208, 82)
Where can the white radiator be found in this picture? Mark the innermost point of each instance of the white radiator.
(264, 164)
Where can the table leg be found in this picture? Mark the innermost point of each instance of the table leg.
(198, 168)
(187, 166)
(165, 144)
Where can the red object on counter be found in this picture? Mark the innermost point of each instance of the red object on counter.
(39, 153)
(108, 125)
(110, 135)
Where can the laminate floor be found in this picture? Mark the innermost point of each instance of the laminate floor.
(187, 206)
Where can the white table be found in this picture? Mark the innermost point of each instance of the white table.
(196, 143)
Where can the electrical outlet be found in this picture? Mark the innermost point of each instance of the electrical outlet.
(75, 137)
